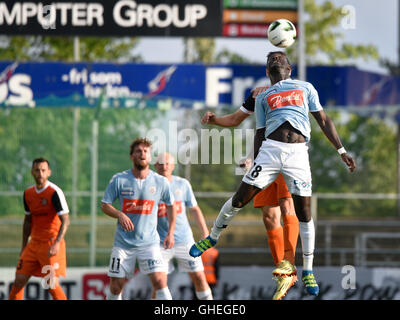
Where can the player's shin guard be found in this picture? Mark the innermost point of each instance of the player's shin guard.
(290, 236)
(307, 235)
(163, 294)
(227, 213)
(111, 296)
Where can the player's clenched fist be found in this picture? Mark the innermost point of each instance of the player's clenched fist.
(209, 117)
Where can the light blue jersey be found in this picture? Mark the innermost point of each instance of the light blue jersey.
(139, 199)
(184, 198)
(287, 100)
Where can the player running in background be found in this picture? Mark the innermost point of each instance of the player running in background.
(273, 200)
(283, 131)
(46, 222)
(210, 260)
(139, 192)
(184, 199)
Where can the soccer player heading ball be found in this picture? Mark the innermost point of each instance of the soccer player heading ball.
(283, 131)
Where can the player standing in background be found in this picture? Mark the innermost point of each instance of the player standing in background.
(139, 192)
(274, 201)
(210, 260)
(283, 131)
(184, 198)
(46, 222)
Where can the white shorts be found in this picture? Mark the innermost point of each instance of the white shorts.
(186, 263)
(123, 261)
(289, 158)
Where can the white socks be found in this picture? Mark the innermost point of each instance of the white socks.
(204, 295)
(111, 296)
(225, 216)
(307, 235)
(163, 294)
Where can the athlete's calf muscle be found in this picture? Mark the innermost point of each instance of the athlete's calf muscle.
(244, 194)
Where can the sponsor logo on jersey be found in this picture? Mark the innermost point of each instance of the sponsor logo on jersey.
(162, 209)
(137, 206)
(153, 263)
(127, 192)
(286, 98)
(302, 184)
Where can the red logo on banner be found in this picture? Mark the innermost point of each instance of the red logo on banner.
(94, 286)
(137, 206)
(287, 98)
(162, 209)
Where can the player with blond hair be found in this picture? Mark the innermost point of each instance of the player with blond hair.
(184, 201)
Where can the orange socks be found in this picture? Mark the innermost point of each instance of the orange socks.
(16, 293)
(290, 235)
(283, 241)
(276, 243)
(57, 293)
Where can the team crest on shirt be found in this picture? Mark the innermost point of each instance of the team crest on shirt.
(152, 190)
(178, 192)
(44, 201)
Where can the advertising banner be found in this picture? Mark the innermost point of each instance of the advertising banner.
(176, 86)
(235, 283)
(112, 18)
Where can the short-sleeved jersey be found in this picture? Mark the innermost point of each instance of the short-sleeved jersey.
(45, 206)
(287, 100)
(184, 198)
(139, 199)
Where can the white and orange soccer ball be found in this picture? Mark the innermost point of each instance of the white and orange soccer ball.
(282, 33)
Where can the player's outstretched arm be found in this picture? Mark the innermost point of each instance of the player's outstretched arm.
(230, 120)
(201, 222)
(328, 128)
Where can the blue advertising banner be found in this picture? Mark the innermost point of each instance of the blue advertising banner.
(54, 84)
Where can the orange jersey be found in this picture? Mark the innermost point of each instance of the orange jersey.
(270, 195)
(45, 205)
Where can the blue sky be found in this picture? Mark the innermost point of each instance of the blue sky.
(376, 22)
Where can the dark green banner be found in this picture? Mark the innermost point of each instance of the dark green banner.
(261, 4)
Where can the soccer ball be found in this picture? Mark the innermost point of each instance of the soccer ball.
(282, 33)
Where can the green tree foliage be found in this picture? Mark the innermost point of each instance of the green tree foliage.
(47, 132)
(371, 142)
(39, 48)
(324, 36)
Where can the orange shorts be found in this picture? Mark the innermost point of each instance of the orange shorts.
(270, 195)
(35, 258)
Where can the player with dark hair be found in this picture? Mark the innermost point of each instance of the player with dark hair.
(275, 202)
(139, 192)
(283, 131)
(46, 222)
